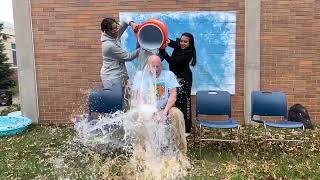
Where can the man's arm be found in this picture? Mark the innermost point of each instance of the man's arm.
(124, 23)
(120, 54)
(171, 101)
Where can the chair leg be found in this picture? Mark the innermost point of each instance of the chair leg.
(90, 116)
(195, 133)
(303, 133)
(303, 141)
(265, 133)
(238, 129)
(200, 136)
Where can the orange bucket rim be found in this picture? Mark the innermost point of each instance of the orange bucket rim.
(152, 24)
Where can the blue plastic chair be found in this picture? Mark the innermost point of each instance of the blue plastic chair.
(215, 103)
(105, 100)
(272, 104)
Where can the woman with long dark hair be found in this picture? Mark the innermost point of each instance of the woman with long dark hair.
(183, 56)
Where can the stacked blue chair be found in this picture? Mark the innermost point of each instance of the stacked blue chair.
(217, 103)
(272, 104)
(105, 100)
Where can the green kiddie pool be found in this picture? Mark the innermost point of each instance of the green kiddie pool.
(12, 125)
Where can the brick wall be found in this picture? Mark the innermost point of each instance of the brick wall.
(290, 51)
(68, 53)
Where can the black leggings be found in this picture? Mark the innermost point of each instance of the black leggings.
(184, 102)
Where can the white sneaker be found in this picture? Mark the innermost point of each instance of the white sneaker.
(187, 134)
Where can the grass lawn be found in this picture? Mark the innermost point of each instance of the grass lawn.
(47, 152)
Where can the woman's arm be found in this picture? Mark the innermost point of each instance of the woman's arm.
(180, 60)
(173, 44)
(183, 59)
(165, 55)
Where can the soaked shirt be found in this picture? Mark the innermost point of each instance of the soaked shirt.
(148, 86)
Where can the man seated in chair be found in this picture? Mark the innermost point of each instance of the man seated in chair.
(159, 87)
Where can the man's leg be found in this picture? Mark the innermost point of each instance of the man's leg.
(177, 121)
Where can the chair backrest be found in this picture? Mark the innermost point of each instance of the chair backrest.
(264, 103)
(213, 103)
(105, 100)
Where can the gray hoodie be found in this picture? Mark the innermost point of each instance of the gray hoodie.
(114, 56)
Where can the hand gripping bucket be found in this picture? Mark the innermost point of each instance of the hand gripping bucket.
(152, 34)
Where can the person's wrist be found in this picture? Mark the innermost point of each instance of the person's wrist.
(130, 23)
(165, 112)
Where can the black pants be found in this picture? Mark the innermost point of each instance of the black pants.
(184, 103)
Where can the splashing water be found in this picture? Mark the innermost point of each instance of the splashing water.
(143, 57)
(144, 145)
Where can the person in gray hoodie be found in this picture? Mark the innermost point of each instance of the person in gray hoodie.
(113, 71)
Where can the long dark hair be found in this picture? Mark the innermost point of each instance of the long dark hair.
(106, 24)
(191, 47)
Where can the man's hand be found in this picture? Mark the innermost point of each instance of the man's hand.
(164, 113)
(133, 25)
(160, 116)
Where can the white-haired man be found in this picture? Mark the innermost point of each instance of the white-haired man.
(160, 87)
